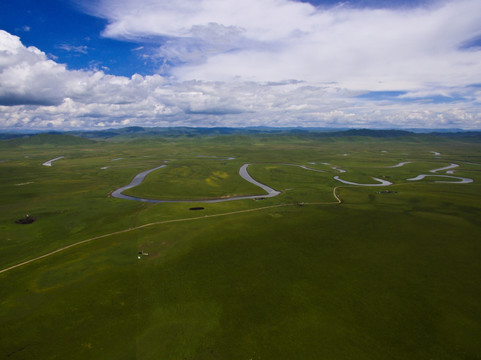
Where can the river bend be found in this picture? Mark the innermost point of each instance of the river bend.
(242, 172)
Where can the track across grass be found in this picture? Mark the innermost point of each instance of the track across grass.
(319, 271)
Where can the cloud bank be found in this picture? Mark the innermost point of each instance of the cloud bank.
(261, 62)
(275, 40)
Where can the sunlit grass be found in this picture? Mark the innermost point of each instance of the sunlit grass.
(380, 276)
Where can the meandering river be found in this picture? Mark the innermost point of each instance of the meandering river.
(242, 172)
(400, 164)
(452, 166)
(461, 179)
(139, 178)
(382, 182)
(136, 181)
(49, 163)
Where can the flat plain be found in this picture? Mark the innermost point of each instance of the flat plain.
(389, 272)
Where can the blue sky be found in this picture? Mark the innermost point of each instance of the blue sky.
(78, 64)
(62, 30)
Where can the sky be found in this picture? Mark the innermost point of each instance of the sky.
(99, 64)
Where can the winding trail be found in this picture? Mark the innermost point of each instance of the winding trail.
(137, 228)
(245, 175)
(334, 192)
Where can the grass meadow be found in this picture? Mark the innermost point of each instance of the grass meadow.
(298, 276)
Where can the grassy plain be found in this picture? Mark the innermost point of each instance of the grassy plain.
(298, 276)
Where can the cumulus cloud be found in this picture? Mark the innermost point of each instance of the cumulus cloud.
(29, 77)
(266, 40)
(20, 68)
(37, 92)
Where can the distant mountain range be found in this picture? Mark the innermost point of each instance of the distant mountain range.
(83, 137)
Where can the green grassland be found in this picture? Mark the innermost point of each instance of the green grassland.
(212, 178)
(297, 276)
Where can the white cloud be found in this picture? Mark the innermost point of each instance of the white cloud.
(81, 49)
(27, 75)
(37, 92)
(273, 40)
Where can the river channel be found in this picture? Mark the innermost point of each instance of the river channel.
(139, 178)
(242, 172)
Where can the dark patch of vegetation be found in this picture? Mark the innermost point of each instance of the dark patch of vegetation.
(370, 133)
(6, 136)
(45, 139)
(197, 208)
(25, 220)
